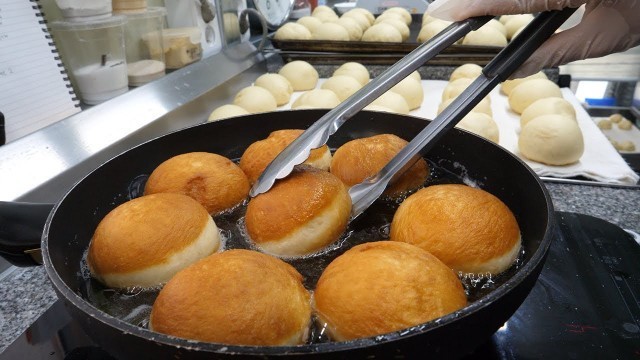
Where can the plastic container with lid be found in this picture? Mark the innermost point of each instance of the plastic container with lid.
(143, 65)
(93, 53)
(181, 46)
(202, 14)
(83, 10)
(129, 5)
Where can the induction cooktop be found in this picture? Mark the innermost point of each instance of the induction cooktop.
(585, 305)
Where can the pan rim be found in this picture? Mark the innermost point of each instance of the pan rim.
(70, 296)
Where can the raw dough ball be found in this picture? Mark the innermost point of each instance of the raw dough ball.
(626, 145)
(406, 15)
(360, 18)
(616, 118)
(300, 74)
(455, 88)
(330, 31)
(547, 106)
(432, 29)
(227, 111)
(497, 25)
(309, 22)
(515, 34)
(389, 15)
(325, 16)
(516, 22)
(400, 26)
(382, 32)
(485, 36)
(480, 124)
(504, 18)
(411, 90)
(415, 75)
(342, 85)
(255, 99)
(605, 124)
(324, 13)
(469, 71)
(625, 124)
(322, 9)
(528, 92)
(353, 28)
(317, 98)
(426, 18)
(367, 14)
(393, 101)
(277, 85)
(507, 86)
(551, 140)
(355, 70)
(484, 106)
(292, 31)
(373, 107)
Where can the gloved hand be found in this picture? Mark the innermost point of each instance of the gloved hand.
(608, 26)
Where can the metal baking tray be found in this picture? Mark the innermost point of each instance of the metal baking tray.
(375, 53)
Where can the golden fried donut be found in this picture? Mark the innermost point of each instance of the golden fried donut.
(260, 154)
(147, 240)
(213, 180)
(238, 297)
(467, 228)
(302, 213)
(359, 159)
(380, 287)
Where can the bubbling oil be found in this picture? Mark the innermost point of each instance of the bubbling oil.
(134, 305)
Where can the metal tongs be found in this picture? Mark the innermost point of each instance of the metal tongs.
(498, 70)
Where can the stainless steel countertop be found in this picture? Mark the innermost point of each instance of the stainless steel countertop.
(85, 140)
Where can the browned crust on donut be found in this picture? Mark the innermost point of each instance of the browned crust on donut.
(294, 201)
(380, 287)
(259, 154)
(211, 179)
(359, 159)
(461, 225)
(144, 232)
(236, 297)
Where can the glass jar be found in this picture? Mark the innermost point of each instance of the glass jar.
(129, 5)
(144, 65)
(180, 46)
(93, 53)
(83, 10)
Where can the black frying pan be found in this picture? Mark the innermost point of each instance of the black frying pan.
(73, 220)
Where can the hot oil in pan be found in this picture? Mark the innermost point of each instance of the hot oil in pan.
(134, 305)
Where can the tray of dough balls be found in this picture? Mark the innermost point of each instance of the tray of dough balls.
(532, 117)
(394, 31)
(621, 132)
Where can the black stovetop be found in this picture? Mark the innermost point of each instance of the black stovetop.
(585, 305)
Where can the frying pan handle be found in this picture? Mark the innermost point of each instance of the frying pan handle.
(21, 227)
